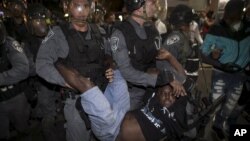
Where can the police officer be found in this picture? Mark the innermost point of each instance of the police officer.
(45, 93)
(16, 25)
(37, 18)
(80, 45)
(179, 44)
(134, 47)
(14, 68)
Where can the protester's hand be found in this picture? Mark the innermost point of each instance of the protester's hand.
(109, 62)
(178, 88)
(216, 53)
(74, 79)
(109, 74)
(163, 54)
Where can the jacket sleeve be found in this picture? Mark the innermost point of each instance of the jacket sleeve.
(207, 44)
(54, 46)
(20, 66)
(120, 55)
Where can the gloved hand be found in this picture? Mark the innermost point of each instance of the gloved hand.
(166, 77)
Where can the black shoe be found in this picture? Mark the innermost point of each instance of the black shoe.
(219, 132)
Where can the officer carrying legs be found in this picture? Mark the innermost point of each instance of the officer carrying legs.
(80, 45)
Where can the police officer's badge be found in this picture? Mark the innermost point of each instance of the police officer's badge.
(114, 44)
(173, 39)
(17, 46)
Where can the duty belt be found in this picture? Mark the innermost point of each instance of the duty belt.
(4, 89)
(10, 91)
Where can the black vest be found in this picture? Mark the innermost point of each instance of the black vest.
(86, 56)
(4, 62)
(142, 52)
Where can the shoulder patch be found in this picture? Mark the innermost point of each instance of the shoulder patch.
(102, 30)
(17, 46)
(158, 42)
(173, 39)
(114, 43)
(49, 35)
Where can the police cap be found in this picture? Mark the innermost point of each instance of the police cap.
(90, 1)
(132, 5)
(181, 15)
(37, 11)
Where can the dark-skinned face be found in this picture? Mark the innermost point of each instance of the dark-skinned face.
(165, 96)
(40, 27)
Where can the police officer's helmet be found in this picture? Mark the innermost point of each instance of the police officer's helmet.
(100, 9)
(38, 19)
(16, 7)
(2, 33)
(181, 15)
(132, 5)
(37, 11)
(90, 1)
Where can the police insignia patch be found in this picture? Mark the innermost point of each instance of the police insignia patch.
(17, 46)
(173, 39)
(114, 44)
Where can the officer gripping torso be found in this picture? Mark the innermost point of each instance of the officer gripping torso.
(134, 48)
(134, 52)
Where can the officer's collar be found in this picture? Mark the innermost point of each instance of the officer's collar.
(88, 35)
(134, 23)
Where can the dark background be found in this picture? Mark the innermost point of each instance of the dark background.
(110, 5)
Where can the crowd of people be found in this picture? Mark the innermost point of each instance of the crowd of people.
(128, 80)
